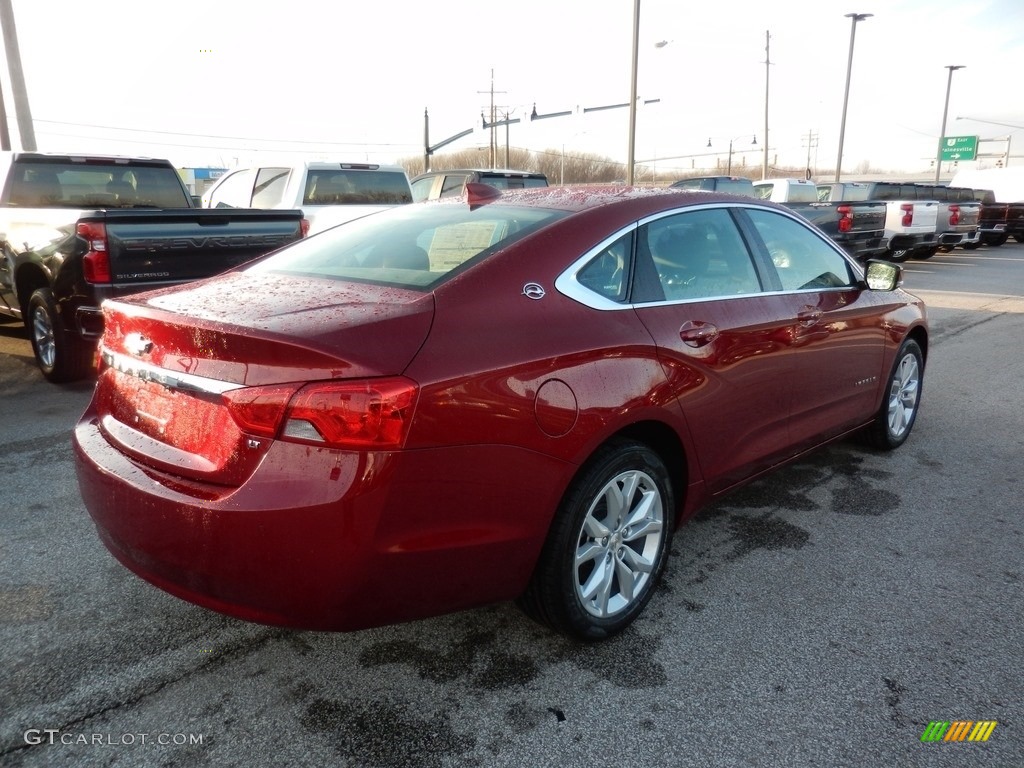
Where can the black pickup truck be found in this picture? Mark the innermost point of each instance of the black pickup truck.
(76, 230)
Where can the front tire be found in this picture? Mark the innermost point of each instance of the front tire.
(898, 412)
(60, 357)
(607, 546)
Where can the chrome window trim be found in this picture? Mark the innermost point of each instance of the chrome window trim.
(183, 382)
(567, 284)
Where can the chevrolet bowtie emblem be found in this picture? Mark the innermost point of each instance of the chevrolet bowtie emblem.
(138, 344)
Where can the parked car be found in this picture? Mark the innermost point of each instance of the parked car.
(434, 185)
(327, 193)
(858, 227)
(78, 229)
(518, 396)
(730, 185)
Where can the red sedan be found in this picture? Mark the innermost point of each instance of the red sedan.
(504, 396)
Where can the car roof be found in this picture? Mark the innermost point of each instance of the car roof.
(488, 171)
(573, 199)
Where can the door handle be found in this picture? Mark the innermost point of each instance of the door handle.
(809, 316)
(697, 333)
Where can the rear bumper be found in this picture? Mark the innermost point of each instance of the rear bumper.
(329, 540)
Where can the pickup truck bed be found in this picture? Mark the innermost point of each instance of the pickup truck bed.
(61, 261)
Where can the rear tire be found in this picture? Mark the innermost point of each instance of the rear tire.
(59, 356)
(898, 413)
(994, 240)
(607, 545)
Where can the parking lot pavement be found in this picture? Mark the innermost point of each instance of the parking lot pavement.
(825, 615)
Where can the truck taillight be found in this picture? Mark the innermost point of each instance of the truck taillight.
(845, 218)
(954, 215)
(304, 228)
(908, 214)
(96, 262)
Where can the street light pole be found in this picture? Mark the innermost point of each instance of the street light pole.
(945, 111)
(855, 17)
(631, 154)
(728, 168)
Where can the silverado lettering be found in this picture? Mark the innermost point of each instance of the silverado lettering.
(152, 244)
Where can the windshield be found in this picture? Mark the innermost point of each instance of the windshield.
(90, 184)
(410, 246)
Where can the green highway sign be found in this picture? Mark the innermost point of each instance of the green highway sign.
(958, 148)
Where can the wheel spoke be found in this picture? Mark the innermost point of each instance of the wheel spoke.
(591, 550)
(643, 529)
(594, 528)
(627, 579)
(642, 510)
(597, 577)
(637, 562)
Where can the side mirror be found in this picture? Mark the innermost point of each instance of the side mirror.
(883, 275)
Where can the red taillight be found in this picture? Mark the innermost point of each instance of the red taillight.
(373, 413)
(908, 214)
(96, 261)
(845, 218)
(954, 215)
(304, 228)
(258, 410)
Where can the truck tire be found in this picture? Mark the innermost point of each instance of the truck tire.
(994, 240)
(59, 356)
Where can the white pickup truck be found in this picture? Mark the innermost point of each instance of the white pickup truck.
(910, 222)
(327, 193)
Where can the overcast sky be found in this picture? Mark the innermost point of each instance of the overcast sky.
(206, 82)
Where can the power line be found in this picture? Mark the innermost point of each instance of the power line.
(216, 136)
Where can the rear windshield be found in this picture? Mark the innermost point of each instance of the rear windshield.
(499, 181)
(410, 246)
(351, 187)
(91, 184)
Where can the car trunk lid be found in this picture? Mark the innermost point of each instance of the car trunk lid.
(196, 381)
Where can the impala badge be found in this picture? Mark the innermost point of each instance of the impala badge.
(138, 344)
(533, 291)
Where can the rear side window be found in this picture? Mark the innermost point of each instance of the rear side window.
(499, 181)
(235, 191)
(452, 185)
(356, 187)
(700, 255)
(269, 189)
(94, 184)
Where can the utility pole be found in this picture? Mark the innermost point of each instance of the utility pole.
(21, 109)
(492, 152)
(767, 65)
(812, 141)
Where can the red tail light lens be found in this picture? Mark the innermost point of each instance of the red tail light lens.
(258, 410)
(372, 413)
(954, 215)
(845, 218)
(96, 262)
(908, 214)
(304, 228)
